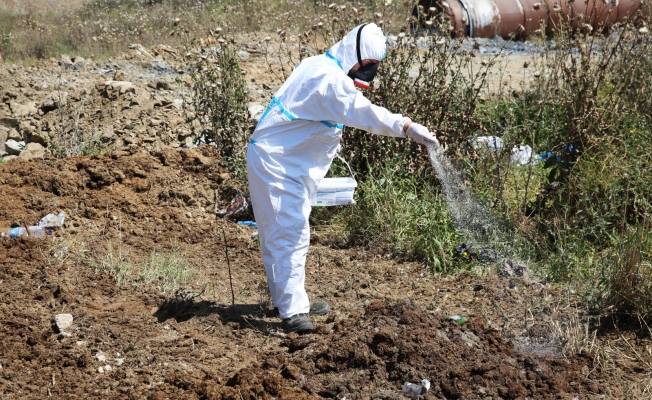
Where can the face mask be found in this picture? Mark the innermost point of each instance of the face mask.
(365, 74)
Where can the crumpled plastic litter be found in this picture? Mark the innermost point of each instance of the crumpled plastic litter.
(238, 205)
(248, 223)
(52, 220)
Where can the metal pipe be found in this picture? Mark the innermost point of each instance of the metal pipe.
(521, 18)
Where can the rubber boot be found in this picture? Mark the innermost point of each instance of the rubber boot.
(297, 323)
(316, 308)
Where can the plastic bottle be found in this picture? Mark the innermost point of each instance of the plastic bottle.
(413, 390)
(15, 232)
(36, 231)
(460, 319)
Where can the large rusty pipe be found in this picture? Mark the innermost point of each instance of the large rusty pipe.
(521, 18)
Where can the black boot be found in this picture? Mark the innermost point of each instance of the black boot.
(297, 323)
(316, 308)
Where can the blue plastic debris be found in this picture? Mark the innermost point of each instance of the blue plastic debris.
(248, 223)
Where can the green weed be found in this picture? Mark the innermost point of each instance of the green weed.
(167, 270)
(394, 206)
(116, 263)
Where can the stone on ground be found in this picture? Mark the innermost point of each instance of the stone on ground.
(32, 150)
(21, 110)
(13, 147)
(63, 321)
(256, 111)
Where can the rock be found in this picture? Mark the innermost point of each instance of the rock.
(131, 140)
(143, 99)
(80, 63)
(121, 86)
(243, 55)
(174, 121)
(119, 76)
(100, 357)
(471, 340)
(38, 137)
(188, 143)
(108, 368)
(48, 105)
(30, 152)
(256, 111)
(3, 138)
(100, 370)
(119, 361)
(141, 50)
(9, 158)
(65, 61)
(160, 85)
(9, 122)
(155, 122)
(108, 133)
(21, 110)
(13, 147)
(14, 135)
(63, 321)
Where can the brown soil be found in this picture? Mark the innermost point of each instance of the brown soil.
(388, 325)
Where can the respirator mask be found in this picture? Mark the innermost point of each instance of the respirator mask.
(364, 75)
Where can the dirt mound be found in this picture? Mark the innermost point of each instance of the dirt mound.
(372, 355)
(144, 197)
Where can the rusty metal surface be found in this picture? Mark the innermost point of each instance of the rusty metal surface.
(484, 17)
(512, 17)
(522, 18)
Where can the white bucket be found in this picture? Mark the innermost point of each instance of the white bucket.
(334, 192)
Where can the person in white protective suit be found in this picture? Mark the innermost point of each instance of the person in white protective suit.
(292, 148)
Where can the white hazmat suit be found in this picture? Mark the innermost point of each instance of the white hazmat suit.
(292, 148)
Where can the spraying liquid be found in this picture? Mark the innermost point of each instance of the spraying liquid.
(471, 219)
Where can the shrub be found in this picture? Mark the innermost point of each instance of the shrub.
(219, 102)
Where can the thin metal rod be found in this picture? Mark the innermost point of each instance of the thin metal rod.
(228, 262)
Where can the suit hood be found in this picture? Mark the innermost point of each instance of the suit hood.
(372, 46)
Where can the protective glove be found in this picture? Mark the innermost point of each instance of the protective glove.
(420, 134)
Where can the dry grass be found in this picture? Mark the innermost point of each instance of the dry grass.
(103, 28)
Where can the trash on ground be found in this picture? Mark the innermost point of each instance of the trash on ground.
(413, 390)
(44, 227)
(490, 142)
(238, 205)
(248, 223)
(460, 319)
(522, 155)
(53, 221)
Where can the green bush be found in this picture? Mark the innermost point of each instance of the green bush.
(397, 207)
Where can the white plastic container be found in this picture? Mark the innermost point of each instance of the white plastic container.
(334, 192)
